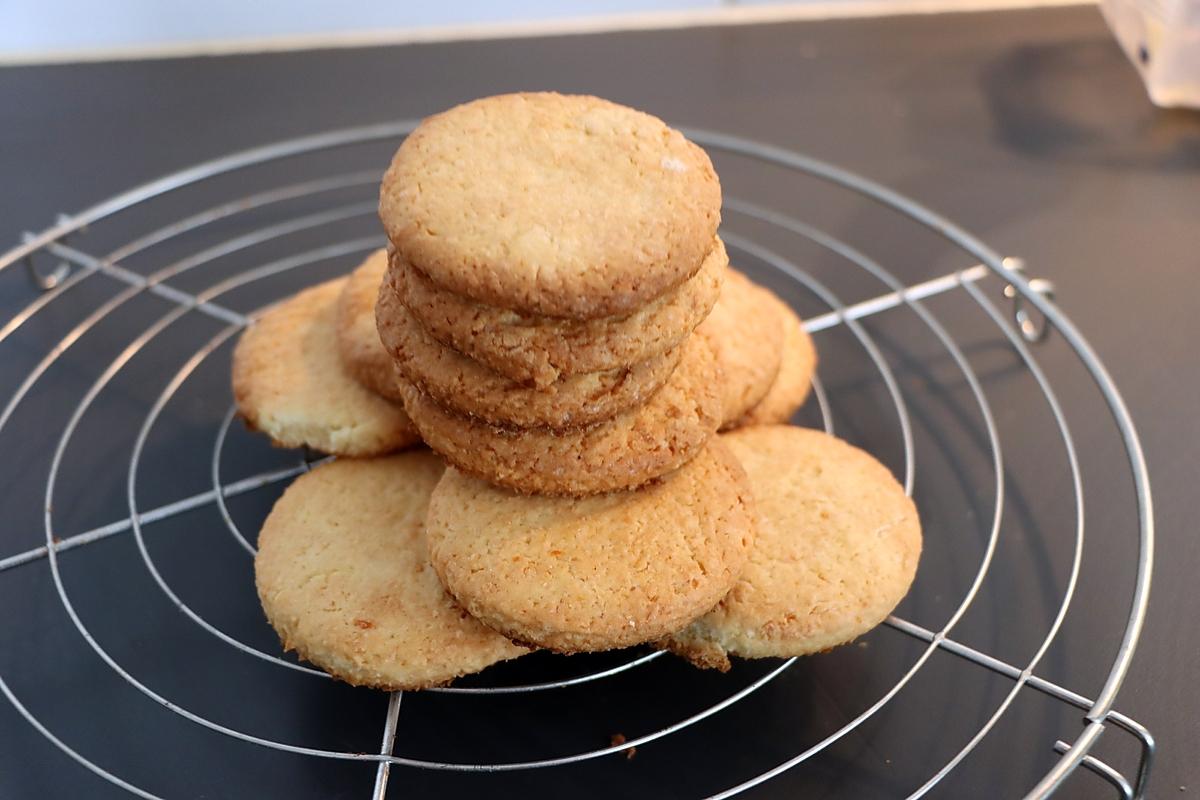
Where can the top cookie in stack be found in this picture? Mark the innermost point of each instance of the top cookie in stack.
(550, 257)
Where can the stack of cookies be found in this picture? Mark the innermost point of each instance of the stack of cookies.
(558, 319)
(550, 258)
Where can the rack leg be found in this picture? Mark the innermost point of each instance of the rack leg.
(1098, 767)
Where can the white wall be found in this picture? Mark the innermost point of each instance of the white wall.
(58, 30)
(74, 25)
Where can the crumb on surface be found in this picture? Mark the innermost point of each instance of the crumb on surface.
(618, 739)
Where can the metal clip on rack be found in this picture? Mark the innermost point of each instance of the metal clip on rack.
(55, 265)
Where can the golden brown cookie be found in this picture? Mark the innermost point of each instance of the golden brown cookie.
(343, 574)
(563, 205)
(619, 453)
(837, 548)
(792, 384)
(357, 338)
(745, 331)
(540, 350)
(464, 386)
(595, 573)
(289, 382)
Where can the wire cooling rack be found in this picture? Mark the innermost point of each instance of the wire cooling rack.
(147, 661)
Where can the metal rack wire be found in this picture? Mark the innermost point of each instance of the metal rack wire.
(56, 263)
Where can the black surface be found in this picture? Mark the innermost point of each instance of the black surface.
(1028, 128)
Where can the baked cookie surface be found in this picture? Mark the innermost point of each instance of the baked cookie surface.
(343, 575)
(793, 382)
(745, 332)
(358, 340)
(596, 573)
(563, 205)
(466, 387)
(625, 451)
(540, 350)
(836, 550)
(289, 382)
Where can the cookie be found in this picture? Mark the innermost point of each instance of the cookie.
(745, 332)
(289, 382)
(540, 350)
(343, 575)
(358, 340)
(619, 453)
(466, 387)
(837, 548)
(562, 205)
(792, 384)
(595, 573)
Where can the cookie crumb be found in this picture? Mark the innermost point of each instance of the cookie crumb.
(618, 739)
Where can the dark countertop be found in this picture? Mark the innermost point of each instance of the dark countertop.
(1027, 128)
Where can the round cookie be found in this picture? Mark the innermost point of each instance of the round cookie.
(745, 331)
(837, 548)
(343, 575)
(619, 453)
(464, 386)
(357, 338)
(792, 384)
(596, 573)
(289, 382)
(563, 205)
(540, 350)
